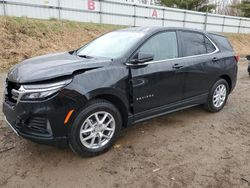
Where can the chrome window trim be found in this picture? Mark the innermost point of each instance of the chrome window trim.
(179, 58)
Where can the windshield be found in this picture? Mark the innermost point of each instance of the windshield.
(112, 45)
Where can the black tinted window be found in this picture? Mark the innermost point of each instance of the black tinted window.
(162, 46)
(223, 42)
(210, 47)
(194, 44)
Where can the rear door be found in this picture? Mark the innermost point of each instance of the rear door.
(156, 83)
(201, 63)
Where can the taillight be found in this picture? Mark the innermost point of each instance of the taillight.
(237, 58)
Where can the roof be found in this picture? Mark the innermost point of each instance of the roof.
(155, 29)
(158, 28)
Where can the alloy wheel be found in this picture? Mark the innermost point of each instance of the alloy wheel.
(219, 95)
(97, 130)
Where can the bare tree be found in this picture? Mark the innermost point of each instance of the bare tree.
(225, 7)
(234, 11)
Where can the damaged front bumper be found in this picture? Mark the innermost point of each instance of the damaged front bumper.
(41, 121)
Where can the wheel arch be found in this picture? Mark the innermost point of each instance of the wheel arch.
(117, 98)
(118, 103)
(229, 81)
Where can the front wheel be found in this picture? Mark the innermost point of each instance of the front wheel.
(218, 96)
(95, 128)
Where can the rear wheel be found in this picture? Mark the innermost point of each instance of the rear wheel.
(217, 96)
(95, 129)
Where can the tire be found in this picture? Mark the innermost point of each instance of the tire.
(213, 106)
(87, 120)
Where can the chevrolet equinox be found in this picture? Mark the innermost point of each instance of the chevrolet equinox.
(83, 98)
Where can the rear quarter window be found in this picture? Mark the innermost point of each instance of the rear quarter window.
(210, 47)
(222, 42)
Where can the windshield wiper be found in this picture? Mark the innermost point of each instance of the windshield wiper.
(85, 56)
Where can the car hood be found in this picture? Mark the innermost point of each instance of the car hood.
(52, 66)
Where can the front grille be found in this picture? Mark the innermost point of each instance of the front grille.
(14, 94)
(11, 94)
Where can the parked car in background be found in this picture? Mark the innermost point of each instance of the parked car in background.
(84, 97)
(248, 58)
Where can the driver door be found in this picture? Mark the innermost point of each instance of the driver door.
(158, 82)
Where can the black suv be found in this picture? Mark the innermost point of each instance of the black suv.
(84, 97)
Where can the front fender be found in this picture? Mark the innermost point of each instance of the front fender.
(109, 92)
(111, 80)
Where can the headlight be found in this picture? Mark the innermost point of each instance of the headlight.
(38, 95)
(39, 91)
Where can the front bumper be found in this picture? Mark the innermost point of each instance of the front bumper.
(58, 142)
(41, 121)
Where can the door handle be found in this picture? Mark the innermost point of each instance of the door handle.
(215, 59)
(177, 66)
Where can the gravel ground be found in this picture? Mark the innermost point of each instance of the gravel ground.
(190, 148)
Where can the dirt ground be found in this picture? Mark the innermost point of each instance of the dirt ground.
(190, 148)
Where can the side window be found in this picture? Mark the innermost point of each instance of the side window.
(162, 46)
(194, 44)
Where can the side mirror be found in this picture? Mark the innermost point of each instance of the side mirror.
(248, 57)
(142, 58)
